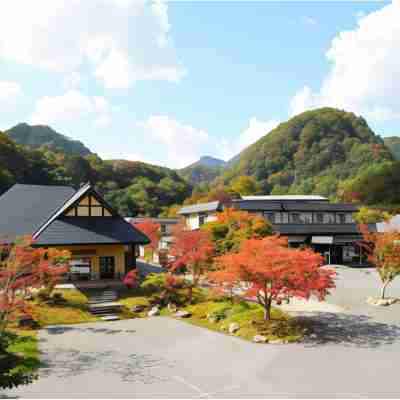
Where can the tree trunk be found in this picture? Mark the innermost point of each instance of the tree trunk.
(384, 289)
(267, 310)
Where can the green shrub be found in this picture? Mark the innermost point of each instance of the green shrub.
(153, 283)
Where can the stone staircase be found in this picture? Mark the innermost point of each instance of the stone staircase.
(104, 304)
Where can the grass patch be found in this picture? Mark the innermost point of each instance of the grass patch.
(217, 315)
(74, 311)
(26, 345)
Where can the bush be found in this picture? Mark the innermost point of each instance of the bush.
(153, 283)
(12, 371)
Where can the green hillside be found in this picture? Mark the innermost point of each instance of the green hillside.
(203, 171)
(38, 136)
(393, 143)
(311, 153)
(134, 188)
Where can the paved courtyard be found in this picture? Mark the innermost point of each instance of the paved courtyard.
(355, 354)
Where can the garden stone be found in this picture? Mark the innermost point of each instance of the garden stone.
(259, 339)
(182, 314)
(138, 308)
(381, 302)
(277, 341)
(233, 327)
(172, 307)
(154, 311)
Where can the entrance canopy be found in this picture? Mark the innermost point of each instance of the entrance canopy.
(322, 240)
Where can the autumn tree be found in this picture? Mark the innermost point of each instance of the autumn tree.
(245, 186)
(152, 230)
(192, 250)
(370, 216)
(233, 226)
(275, 272)
(23, 267)
(383, 251)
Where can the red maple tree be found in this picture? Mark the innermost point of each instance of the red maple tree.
(192, 250)
(23, 268)
(383, 251)
(274, 272)
(152, 230)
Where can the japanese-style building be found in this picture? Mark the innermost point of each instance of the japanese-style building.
(327, 227)
(102, 244)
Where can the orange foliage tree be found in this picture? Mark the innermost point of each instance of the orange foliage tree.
(192, 250)
(152, 230)
(232, 227)
(274, 272)
(384, 253)
(22, 268)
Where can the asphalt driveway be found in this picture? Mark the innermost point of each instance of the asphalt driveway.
(355, 354)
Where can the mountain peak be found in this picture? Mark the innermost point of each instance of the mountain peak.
(209, 161)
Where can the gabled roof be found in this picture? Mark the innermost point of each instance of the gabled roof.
(286, 197)
(201, 207)
(39, 211)
(90, 230)
(24, 208)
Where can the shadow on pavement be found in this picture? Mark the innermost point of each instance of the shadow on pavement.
(349, 330)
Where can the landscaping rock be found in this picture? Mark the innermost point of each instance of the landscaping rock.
(110, 318)
(260, 339)
(277, 341)
(233, 327)
(138, 308)
(154, 311)
(182, 314)
(172, 307)
(381, 302)
(27, 322)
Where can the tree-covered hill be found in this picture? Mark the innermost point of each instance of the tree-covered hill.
(134, 188)
(310, 153)
(393, 143)
(203, 171)
(37, 136)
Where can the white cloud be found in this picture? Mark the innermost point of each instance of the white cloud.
(9, 93)
(72, 80)
(309, 20)
(255, 130)
(71, 106)
(365, 69)
(122, 41)
(183, 144)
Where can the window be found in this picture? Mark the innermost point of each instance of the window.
(341, 218)
(319, 218)
(329, 218)
(295, 218)
(163, 229)
(202, 219)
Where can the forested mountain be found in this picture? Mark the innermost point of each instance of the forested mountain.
(393, 143)
(134, 188)
(37, 136)
(311, 153)
(203, 171)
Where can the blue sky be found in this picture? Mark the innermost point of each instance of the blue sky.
(168, 82)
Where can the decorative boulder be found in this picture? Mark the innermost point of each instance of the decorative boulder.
(381, 302)
(172, 307)
(27, 322)
(154, 311)
(277, 341)
(138, 308)
(182, 314)
(259, 339)
(233, 327)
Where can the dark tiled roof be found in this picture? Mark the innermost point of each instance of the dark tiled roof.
(321, 207)
(24, 208)
(166, 221)
(90, 230)
(201, 207)
(257, 205)
(317, 229)
(267, 205)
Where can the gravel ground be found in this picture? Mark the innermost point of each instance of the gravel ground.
(354, 354)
